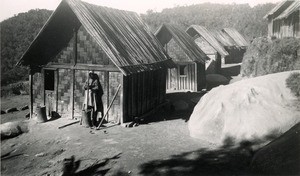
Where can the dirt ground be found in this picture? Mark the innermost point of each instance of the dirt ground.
(160, 147)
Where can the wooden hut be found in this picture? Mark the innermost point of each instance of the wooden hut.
(210, 46)
(116, 45)
(284, 20)
(234, 43)
(189, 75)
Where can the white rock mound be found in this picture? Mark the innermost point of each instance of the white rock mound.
(246, 110)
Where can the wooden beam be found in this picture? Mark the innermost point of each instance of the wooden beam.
(31, 92)
(111, 68)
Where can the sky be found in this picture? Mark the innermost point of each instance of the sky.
(9, 8)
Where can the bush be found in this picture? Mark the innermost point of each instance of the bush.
(293, 82)
(265, 56)
(15, 89)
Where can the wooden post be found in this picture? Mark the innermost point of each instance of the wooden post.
(122, 104)
(73, 73)
(106, 78)
(31, 91)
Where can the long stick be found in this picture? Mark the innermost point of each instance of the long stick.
(109, 106)
(87, 98)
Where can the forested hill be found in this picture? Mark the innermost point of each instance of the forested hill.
(18, 32)
(249, 21)
(16, 35)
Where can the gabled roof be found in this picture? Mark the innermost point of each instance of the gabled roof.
(122, 35)
(236, 36)
(279, 8)
(224, 39)
(291, 9)
(167, 32)
(193, 30)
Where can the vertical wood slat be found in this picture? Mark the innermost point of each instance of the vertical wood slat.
(43, 87)
(31, 92)
(72, 93)
(133, 95)
(129, 96)
(56, 87)
(106, 78)
(196, 77)
(122, 104)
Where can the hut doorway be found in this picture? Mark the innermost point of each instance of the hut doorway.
(50, 98)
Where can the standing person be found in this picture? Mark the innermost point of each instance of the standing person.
(93, 97)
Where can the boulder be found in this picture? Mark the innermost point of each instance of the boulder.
(10, 130)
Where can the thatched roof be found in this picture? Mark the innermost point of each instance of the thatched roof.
(224, 39)
(281, 6)
(236, 36)
(167, 32)
(122, 35)
(291, 9)
(208, 36)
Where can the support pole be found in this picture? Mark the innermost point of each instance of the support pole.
(31, 92)
(73, 73)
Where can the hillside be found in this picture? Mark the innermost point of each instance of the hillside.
(249, 21)
(18, 32)
(16, 35)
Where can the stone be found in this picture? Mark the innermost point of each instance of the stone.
(11, 110)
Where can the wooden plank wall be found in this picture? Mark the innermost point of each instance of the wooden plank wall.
(201, 76)
(143, 92)
(177, 82)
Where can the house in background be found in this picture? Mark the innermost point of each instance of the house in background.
(210, 46)
(189, 75)
(233, 42)
(116, 45)
(284, 20)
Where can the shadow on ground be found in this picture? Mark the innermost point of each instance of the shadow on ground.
(97, 168)
(227, 160)
(279, 157)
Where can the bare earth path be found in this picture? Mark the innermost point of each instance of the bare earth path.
(120, 150)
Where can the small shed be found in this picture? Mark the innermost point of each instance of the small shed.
(211, 47)
(233, 42)
(114, 44)
(284, 19)
(189, 75)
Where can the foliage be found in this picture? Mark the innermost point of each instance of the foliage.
(16, 35)
(15, 89)
(265, 56)
(19, 31)
(293, 82)
(249, 21)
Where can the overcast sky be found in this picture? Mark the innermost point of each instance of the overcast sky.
(9, 8)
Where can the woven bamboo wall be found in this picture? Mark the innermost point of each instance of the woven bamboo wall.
(176, 53)
(37, 90)
(88, 50)
(64, 91)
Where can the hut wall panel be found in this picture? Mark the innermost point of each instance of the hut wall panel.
(143, 92)
(88, 51)
(201, 77)
(114, 82)
(64, 91)
(38, 90)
